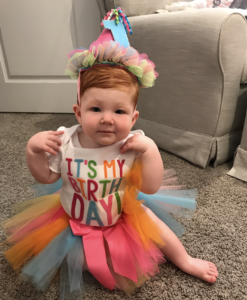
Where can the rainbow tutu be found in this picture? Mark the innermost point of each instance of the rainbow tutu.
(44, 239)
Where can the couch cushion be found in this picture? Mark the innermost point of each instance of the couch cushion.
(244, 74)
(138, 7)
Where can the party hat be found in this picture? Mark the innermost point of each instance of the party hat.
(113, 48)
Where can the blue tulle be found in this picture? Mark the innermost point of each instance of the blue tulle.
(47, 189)
(71, 280)
(171, 197)
(179, 202)
(45, 265)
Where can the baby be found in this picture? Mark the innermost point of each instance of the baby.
(95, 221)
(106, 114)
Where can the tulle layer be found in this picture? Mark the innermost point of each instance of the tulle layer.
(33, 241)
(111, 52)
(169, 199)
(124, 262)
(32, 215)
(124, 255)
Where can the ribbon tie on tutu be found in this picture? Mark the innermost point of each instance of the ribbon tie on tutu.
(120, 251)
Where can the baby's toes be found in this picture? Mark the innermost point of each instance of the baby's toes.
(210, 279)
(213, 270)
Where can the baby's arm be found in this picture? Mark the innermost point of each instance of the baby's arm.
(46, 141)
(152, 171)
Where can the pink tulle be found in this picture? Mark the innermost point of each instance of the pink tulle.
(129, 259)
(31, 226)
(144, 56)
(22, 229)
(145, 259)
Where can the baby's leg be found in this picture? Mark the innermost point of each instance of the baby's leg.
(176, 252)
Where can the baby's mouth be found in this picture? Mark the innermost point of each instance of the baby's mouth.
(105, 131)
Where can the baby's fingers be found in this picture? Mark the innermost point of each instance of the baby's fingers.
(53, 136)
(57, 132)
(55, 139)
(126, 146)
(50, 150)
(52, 145)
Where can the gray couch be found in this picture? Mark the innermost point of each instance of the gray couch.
(197, 107)
(239, 169)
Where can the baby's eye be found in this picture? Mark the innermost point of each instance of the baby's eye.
(95, 109)
(119, 111)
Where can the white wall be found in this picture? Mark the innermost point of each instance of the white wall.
(35, 37)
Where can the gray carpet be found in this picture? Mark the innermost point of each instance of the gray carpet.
(217, 231)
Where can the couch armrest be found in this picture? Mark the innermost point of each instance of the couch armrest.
(199, 55)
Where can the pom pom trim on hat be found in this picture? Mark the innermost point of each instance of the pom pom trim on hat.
(112, 53)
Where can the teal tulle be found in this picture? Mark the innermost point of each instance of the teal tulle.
(178, 202)
(66, 247)
(47, 189)
(71, 280)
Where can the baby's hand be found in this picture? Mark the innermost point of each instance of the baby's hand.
(47, 141)
(138, 143)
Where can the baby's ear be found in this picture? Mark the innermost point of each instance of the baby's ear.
(77, 112)
(135, 117)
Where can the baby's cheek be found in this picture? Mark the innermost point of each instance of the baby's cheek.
(124, 125)
(89, 124)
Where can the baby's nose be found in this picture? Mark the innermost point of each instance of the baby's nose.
(107, 118)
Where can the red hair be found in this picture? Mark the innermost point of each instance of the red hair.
(109, 77)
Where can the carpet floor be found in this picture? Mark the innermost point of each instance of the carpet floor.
(216, 233)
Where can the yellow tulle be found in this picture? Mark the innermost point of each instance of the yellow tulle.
(135, 213)
(29, 211)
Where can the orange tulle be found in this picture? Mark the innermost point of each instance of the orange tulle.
(35, 242)
(135, 213)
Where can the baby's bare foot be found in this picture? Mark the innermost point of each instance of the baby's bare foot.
(202, 269)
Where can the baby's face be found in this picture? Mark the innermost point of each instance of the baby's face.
(107, 115)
